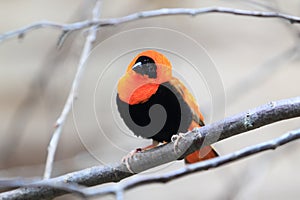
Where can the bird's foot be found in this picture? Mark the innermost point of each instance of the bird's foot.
(176, 138)
(129, 156)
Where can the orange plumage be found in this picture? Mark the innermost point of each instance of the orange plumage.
(149, 81)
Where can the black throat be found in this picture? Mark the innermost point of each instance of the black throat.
(178, 114)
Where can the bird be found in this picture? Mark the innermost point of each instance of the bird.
(148, 82)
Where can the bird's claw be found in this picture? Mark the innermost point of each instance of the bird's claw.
(126, 158)
(176, 138)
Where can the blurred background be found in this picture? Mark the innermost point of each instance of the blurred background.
(254, 61)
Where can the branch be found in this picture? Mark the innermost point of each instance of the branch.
(252, 119)
(189, 169)
(72, 95)
(147, 179)
(144, 14)
(34, 183)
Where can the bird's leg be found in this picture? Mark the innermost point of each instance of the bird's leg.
(126, 158)
(151, 146)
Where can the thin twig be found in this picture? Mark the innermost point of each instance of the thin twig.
(37, 88)
(209, 134)
(72, 95)
(145, 14)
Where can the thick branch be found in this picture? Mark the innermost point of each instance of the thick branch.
(142, 180)
(254, 118)
(189, 169)
(145, 14)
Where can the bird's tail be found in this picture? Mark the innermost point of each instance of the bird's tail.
(204, 153)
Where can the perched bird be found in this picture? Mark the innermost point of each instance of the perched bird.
(147, 82)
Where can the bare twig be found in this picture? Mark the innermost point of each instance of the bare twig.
(72, 95)
(254, 118)
(34, 183)
(145, 14)
(36, 89)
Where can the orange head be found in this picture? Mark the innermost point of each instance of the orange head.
(143, 76)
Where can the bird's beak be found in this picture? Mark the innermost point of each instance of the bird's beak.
(137, 66)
